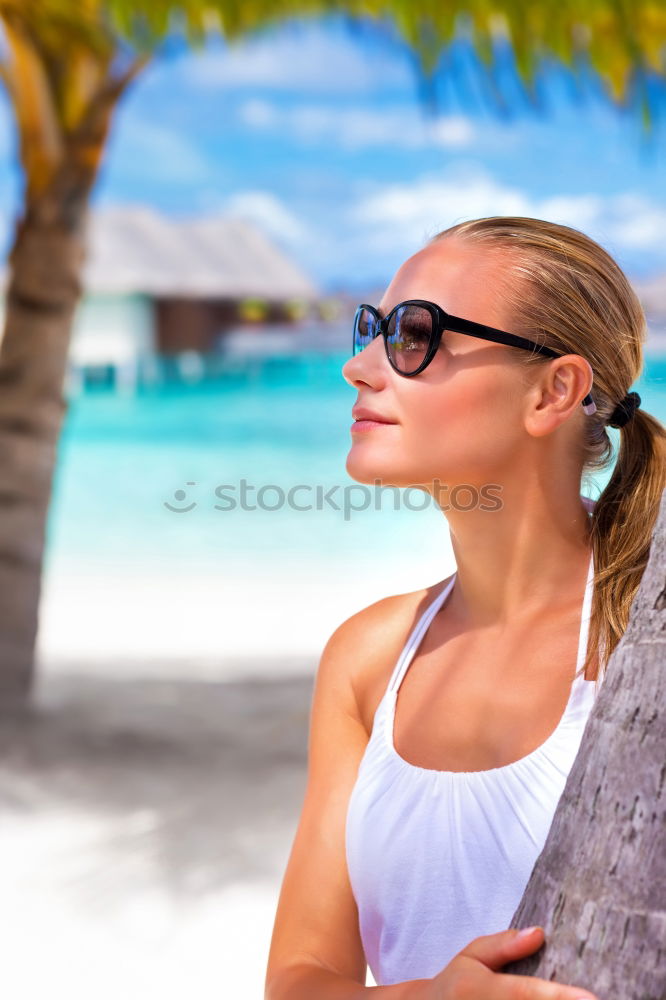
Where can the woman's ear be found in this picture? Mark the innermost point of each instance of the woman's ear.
(559, 389)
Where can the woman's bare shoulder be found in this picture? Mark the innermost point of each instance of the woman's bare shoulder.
(371, 640)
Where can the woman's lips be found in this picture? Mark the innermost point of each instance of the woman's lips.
(368, 425)
(366, 419)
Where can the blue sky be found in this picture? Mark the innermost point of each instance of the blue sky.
(315, 132)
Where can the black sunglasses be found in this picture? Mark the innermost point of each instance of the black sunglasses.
(413, 329)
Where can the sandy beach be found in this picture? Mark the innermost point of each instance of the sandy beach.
(146, 826)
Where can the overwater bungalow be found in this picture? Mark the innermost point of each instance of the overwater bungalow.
(159, 288)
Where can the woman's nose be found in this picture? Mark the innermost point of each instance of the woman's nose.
(370, 365)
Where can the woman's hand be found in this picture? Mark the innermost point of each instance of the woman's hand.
(474, 973)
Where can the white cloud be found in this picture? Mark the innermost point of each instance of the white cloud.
(270, 213)
(310, 57)
(452, 130)
(581, 211)
(637, 222)
(403, 214)
(385, 224)
(358, 127)
(258, 113)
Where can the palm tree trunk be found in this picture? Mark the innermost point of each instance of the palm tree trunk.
(598, 887)
(44, 287)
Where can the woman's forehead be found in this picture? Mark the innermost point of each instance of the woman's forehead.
(443, 264)
(457, 278)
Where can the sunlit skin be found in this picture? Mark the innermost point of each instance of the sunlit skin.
(473, 416)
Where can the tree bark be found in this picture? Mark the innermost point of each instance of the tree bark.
(45, 268)
(598, 887)
(44, 288)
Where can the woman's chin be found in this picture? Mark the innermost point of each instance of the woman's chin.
(374, 474)
(362, 472)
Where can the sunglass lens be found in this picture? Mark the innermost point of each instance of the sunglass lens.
(409, 334)
(364, 329)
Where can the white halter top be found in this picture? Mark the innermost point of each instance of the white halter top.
(437, 858)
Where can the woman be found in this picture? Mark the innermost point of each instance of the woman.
(487, 376)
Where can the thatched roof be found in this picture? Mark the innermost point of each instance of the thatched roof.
(135, 249)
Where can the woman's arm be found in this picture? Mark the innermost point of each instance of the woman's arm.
(316, 930)
(473, 974)
(310, 982)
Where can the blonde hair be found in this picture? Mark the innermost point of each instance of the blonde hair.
(579, 301)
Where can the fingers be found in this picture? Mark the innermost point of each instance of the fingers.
(496, 950)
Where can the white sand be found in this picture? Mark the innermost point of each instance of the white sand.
(62, 939)
(146, 827)
(117, 621)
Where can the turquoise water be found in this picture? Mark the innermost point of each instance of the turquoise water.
(122, 458)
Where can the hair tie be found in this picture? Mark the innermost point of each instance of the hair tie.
(624, 410)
